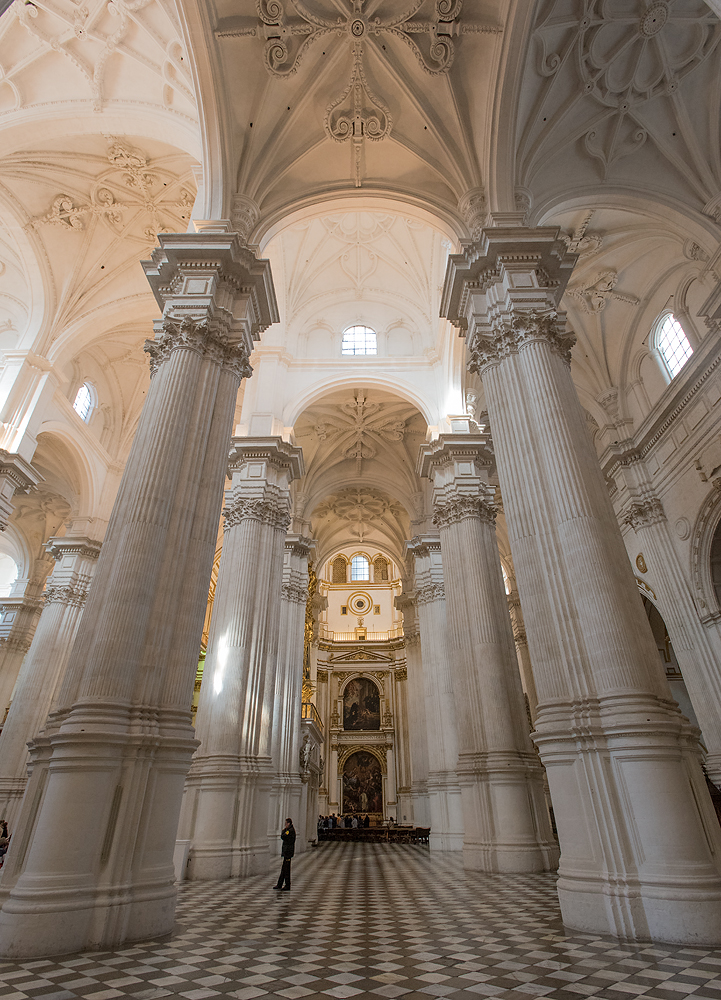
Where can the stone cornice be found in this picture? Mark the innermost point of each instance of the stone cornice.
(271, 449)
(65, 545)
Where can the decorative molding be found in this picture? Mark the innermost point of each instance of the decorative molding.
(462, 507)
(294, 593)
(644, 512)
(401, 674)
(594, 295)
(526, 328)
(86, 548)
(581, 242)
(322, 676)
(199, 338)
(273, 512)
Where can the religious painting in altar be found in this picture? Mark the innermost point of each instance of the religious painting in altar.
(362, 784)
(361, 705)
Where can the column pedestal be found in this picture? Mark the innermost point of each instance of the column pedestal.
(639, 838)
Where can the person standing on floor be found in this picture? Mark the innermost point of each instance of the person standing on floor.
(287, 838)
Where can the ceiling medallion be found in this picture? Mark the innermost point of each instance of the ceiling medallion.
(359, 114)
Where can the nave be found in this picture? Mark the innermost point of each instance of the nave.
(369, 920)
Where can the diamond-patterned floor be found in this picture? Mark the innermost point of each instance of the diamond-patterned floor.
(373, 920)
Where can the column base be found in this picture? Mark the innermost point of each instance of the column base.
(11, 799)
(641, 913)
(207, 864)
(446, 812)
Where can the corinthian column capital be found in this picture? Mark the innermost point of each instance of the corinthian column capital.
(217, 297)
(262, 470)
(643, 512)
(271, 510)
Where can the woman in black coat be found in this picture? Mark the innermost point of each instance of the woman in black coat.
(287, 838)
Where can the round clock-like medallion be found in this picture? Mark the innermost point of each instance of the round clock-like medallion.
(360, 604)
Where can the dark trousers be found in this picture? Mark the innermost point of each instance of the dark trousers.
(284, 877)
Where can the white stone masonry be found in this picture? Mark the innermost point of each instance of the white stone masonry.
(227, 795)
(112, 760)
(639, 838)
(45, 663)
(506, 821)
(444, 790)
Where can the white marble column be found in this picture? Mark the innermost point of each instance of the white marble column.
(45, 663)
(416, 702)
(506, 822)
(639, 838)
(112, 760)
(524, 657)
(286, 797)
(226, 805)
(444, 790)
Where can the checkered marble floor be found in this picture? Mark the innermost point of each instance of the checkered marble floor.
(377, 921)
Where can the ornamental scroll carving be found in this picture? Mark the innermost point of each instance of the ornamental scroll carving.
(198, 337)
(273, 512)
(643, 513)
(525, 328)
(459, 508)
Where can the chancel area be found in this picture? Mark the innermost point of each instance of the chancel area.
(360, 456)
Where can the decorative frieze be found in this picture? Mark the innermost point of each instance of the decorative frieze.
(401, 674)
(200, 338)
(293, 592)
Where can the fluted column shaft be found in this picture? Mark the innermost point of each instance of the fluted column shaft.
(113, 756)
(444, 790)
(14, 646)
(45, 663)
(638, 835)
(226, 805)
(524, 656)
(416, 702)
(287, 799)
(507, 827)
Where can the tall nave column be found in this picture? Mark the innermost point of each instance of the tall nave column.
(225, 812)
(444, 791)
(91, 860)
(416, 699)
(506, 821)
(287, 798)
(45, 662)
(638, 833)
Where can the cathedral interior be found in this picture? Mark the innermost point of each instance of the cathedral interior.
(359, 363)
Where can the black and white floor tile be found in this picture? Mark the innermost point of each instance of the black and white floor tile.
(377, 921)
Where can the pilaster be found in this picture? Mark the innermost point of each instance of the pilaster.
(622, 762)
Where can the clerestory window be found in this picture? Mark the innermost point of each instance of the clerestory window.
(359, 340)
(672, 344)
(84, 401)
(360, 568)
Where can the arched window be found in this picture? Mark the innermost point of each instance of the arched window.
(340, 573)
(359, 340)
(360, 568)
(380, 569)
(671, 343)
(84, 401)
(8, 574)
